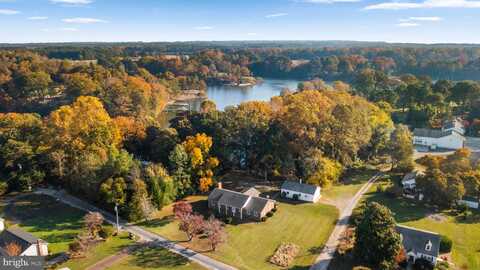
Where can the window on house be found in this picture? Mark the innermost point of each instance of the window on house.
(428, 246)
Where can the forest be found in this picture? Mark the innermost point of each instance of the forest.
(87, 119)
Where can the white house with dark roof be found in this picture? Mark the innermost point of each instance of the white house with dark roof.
(239, 205)
(409, 180)
(29, 244)
(419, 244)
(455, 124)
(300, 191)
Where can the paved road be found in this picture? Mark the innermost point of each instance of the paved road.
(326, 256)
(138, 231)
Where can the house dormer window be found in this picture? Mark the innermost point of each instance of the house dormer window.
(428, 246)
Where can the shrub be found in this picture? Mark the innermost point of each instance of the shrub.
(105, 232)
(445, 244)
(76, 247)
(132, 236)
(422, 264)
(462, 208)
(380, 189)
(3, 188)
(228, 220)
(285, 254)
(444, 266)
(270, 214)
(394, 191)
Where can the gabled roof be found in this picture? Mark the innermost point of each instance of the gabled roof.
(238, 200)
(19, 236)
(432, 133)
(409, 176)
(453, 123)
(416, 240)
(256, 204)
(299, 187)
(234, 199)
(251, 192)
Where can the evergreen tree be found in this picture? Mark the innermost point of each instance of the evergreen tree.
(377, 242)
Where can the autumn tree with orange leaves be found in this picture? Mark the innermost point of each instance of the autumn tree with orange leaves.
(193, 165)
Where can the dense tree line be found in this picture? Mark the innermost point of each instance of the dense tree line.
(313, 134)
(448, 179)
(419, 101)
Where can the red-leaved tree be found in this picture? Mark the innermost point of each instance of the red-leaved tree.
(182, 209)
(191, 225)
(215, 232)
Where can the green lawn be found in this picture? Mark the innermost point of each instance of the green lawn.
(250, 245)
(341, 193)
(58, 224)
(42, 216)
(154, 258)
(99, 252)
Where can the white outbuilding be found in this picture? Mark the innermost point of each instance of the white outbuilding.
(435, 139)
(299, 191)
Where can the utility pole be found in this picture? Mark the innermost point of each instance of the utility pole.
(116, 213)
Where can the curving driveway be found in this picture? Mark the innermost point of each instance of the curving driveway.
(323, 260)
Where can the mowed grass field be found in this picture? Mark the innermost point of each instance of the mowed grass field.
(250, 245)
(99, 252)
(465, 234)
(149, 258)
(58, 224)
(341, 193)
(44, 217)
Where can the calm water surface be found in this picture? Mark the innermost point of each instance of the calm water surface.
(225, 96)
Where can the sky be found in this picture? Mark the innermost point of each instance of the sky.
(419, 21)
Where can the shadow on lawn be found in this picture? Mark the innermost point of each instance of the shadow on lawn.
(59, 238)
(42, 213)
(299, 267)
(472, 219)
(158, 222)
(156, 257)
(404, 210)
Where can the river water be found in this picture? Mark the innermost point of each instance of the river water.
(225, 95)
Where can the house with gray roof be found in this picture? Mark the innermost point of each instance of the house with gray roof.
(433, 139)
(455, 124)
(29, 244)
(299, 191)
(239, 205)
(419, 244)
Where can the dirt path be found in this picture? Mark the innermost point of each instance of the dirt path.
(323, 260)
